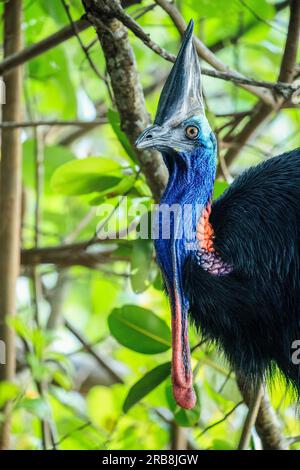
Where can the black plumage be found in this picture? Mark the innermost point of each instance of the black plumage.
(253, 313)
(235, 267)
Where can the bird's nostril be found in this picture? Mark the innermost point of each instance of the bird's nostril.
(149, 136)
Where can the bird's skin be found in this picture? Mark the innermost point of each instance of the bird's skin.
(232, 265)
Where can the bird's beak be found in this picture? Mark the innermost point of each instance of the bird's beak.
(153, 136)
(182, 376)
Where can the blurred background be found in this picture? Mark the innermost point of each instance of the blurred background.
(92, 322)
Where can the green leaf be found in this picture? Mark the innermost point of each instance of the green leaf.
(86, 176)
(37, 406)
(119, 189)
(219, 188)
(146, 384)
(8, 391)
(158, 283)
(220, 444)
(54, 157)
(184, 418)
(51, 81)
(21, 327)
(139, 329)
(141, 265)
(114, 120)
(62, 379)
(55, 10)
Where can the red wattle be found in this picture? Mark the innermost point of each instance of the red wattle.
(182, 377)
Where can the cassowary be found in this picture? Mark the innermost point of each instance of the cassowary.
(233, 264)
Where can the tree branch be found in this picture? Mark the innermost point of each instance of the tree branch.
(223, 72)
(90, 350)
(75, 122)
(232, 40)
(39, 48)
(69, 255)
(251, 417)
(209, 56)
(267, 424)
(127, 90)
(10, 203)
(262, 111)
(34, 50)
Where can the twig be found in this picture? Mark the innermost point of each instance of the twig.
(142, 11)
(293, 440)
(179, 440)
(91, 351)
(267, 424)
(207, 55)
(69, 434)
(101, 110)
(251, 418)
(127, 89)
(49, 42)
(225, 382)
(220, 44)
(75, 122)
(198, 345)
(42, 46)
(259, 18)
(223, 72)
(262, 111)
(85, 49)
(70, 255)
(220, 421)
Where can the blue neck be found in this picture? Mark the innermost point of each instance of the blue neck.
(190, 185)
(191, 177)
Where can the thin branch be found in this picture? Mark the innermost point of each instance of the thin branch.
(127, 90)
(232, 40)
(178, 437)
(209, 56)
(220, 421)
(69, 255)
(91, 351)
(259, 18)
(75, 122)
(83, 47)
(71, 433)
(39, 48)
(223, 72)
(251, 418)
(101, 110)
(223, 385)
(262, 111)
(287, 68)
(293, 440)
(267, 425)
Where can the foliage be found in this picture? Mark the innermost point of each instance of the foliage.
(118, 396)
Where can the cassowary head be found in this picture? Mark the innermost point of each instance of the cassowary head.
(180, 124)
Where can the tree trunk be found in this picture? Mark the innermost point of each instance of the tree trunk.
(10, 202)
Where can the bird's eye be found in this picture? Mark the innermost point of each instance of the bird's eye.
(191, 132)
